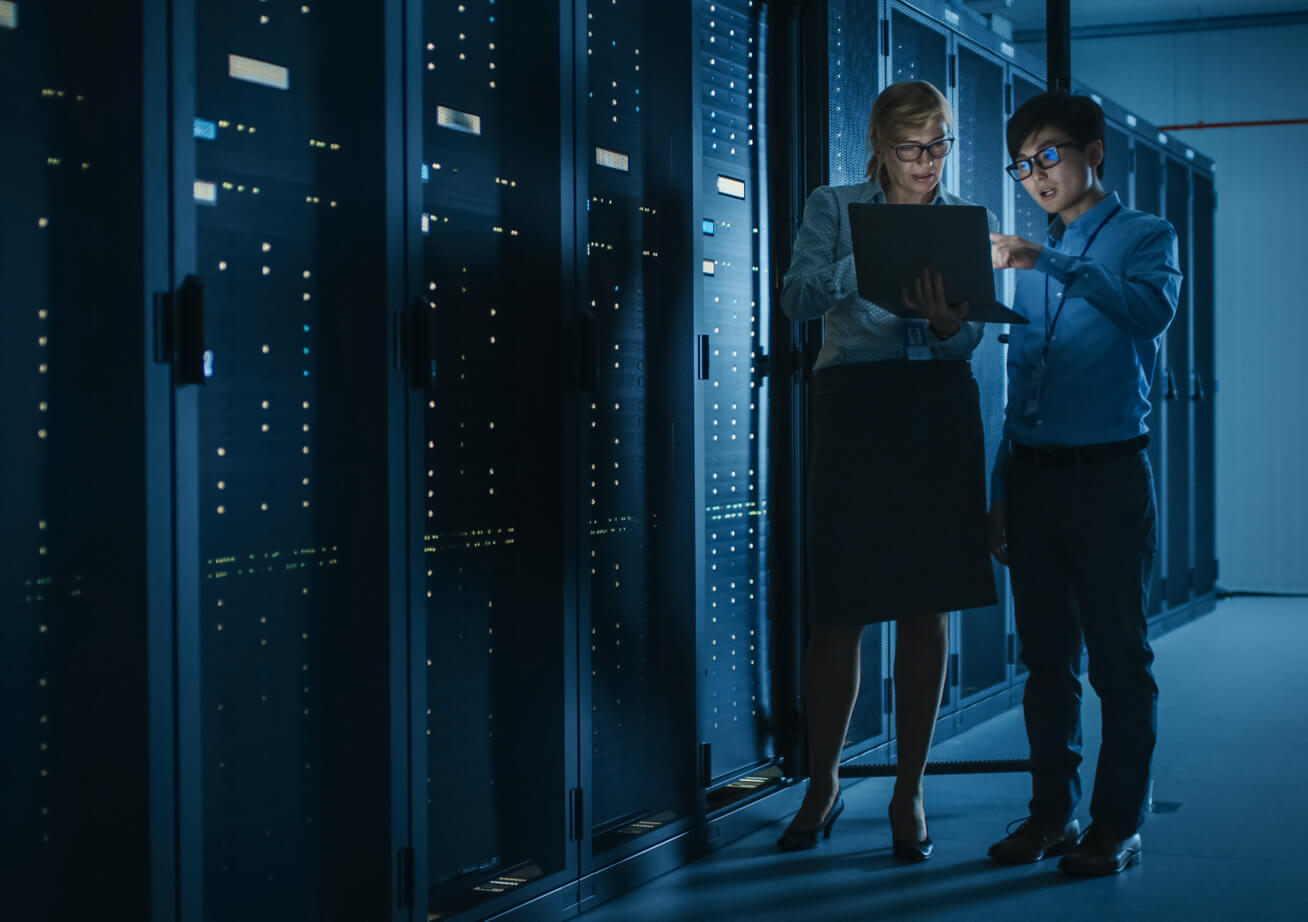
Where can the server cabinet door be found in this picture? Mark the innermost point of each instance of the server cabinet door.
(280, 165)
(1117, 162)
(1203, 384)
(1178, 497)
(917, 51)
(1147, 182)
(85, 507)
(638, 666)
(732, 403)
(1032, 222)
(980, 156)
(854, 78)
(496, 761)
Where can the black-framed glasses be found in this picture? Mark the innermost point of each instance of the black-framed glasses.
(911, 152)
(1021, 169)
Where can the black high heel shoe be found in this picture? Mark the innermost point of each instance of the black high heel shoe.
(908, 851)
(795, 840)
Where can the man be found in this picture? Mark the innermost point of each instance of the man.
(1073, 511)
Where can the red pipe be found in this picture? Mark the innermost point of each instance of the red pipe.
(1198, 125)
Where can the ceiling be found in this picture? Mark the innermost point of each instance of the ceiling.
(1030, 14)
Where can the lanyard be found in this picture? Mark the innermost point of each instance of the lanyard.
(1049, 327)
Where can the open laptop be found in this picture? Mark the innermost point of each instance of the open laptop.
(893, 242)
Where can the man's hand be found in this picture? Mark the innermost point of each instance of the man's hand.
(1009, 252)
(928, 299)
(998, 533)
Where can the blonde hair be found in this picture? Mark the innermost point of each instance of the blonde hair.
(912, 104)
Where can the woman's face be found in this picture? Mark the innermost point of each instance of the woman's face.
(918, 178)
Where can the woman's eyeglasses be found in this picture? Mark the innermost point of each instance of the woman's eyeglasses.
(1021, 169)
(911, 153)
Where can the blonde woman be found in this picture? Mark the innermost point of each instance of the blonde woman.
(896, 519)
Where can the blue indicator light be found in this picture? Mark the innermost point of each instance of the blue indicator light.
(426, 173)
(207, 131)
(306, 328)
(306, 350)
(708, 226)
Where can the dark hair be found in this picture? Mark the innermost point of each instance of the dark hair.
(1079, 116)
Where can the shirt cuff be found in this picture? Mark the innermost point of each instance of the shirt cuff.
(1054, 264)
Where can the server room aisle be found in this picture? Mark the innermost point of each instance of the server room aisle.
(1231, 753)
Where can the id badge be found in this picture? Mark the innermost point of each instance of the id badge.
(916, 343)
(1037, 388)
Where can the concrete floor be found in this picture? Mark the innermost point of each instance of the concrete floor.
(1232, 751)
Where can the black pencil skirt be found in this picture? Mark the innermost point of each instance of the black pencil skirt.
(896, 491)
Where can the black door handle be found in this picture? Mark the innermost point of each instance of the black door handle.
(422, 343)
(1169, 391)
(179, 332)
(584, 370)
(1196, 386)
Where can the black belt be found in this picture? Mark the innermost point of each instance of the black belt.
(1072, 455)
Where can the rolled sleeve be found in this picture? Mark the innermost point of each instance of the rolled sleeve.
(1141, 300)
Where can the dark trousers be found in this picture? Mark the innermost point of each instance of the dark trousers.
(1081, 547)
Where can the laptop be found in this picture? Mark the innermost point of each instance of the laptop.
(893, 242)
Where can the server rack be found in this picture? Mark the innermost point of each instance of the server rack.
(85, 586)
(494, 697)
(286, 600)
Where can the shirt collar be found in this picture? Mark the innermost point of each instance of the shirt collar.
(1087, 222)
(879, 194)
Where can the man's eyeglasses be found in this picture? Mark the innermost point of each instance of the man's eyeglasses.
(1021, 169)
(911, 153)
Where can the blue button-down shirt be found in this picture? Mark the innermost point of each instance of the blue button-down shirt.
(1121, 295)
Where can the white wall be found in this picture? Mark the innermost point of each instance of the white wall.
(1262, 267)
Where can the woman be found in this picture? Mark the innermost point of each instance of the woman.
(896, 521)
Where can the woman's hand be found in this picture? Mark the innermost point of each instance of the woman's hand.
(998, 533)
(1009, 252)
(928, 299)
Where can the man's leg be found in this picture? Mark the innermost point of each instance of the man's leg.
(1047, 626)
(1113, 554)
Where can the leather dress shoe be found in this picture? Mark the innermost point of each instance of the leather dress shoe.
(909, 851)
(1102, 852)
(1036, 839)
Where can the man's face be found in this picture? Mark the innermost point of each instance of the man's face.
(1061, 172)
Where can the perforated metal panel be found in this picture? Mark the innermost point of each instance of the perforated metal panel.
(493, 448)
(734, 397)
(1176, 349)
(854, 56)
(980, 158)
(917, 52)
(1204, 385)
(638, 489)
(1148, 182)
(853, 78)
(289, 237)
(1030, 220)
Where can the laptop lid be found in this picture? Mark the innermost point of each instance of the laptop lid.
(893, 242)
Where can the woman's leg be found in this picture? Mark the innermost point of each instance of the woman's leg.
(921, 656)
(831, 665)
